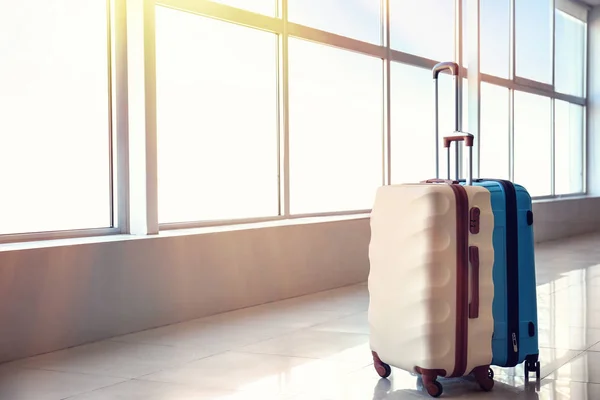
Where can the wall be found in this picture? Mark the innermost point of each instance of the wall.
(61, 296)
(66, 294)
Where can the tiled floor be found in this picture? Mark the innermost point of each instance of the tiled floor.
(316, 347)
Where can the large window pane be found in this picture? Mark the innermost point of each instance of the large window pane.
(570, 54)
(266, 7)
(568, 148)
(495, 37)
(358, 19)
(413, 129)
(424, 28)
(493, 140)
(54, 116)
(533, 140)
(336, 116)
(533, 25)
(217, 119)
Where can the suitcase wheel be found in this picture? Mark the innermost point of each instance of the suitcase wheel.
(434, 389)
(531, 366)
(484, 376)
(383, 370)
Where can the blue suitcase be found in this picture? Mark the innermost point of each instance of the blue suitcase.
(514, 308)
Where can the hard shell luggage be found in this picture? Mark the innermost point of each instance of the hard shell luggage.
(430, 281)
(515, 337)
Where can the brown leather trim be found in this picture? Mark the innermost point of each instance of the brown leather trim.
(468, 139)
(474, 258)
(434, 373)
(462, 279)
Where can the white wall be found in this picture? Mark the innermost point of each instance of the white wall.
(64, 294)
(61, 296)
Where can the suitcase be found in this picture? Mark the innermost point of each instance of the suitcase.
(515, 337)
(430, 281)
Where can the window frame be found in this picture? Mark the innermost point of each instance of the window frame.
(115, 144)
(133, 101)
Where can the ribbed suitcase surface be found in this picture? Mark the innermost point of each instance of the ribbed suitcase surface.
(431, 312)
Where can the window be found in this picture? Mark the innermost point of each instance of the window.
(568, 147)
(357, 19)
(216, 119)
(494, 130)
(533, 143)
(533, 39)
(266, 7)
(570, 54)
(412, 28)
(413, 129)
(495, 37)
(336, 128)
(54, 116)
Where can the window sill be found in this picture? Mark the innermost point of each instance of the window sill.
(561, 198)
(36, 244)
(16, 246)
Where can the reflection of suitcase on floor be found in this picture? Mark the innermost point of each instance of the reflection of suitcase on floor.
(430, 282)
(515, 298)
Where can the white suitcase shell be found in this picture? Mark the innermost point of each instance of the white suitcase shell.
(413, 280)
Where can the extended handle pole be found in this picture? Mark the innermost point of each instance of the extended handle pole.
(453, 68)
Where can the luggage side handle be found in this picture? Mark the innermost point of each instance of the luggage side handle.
(474, 305)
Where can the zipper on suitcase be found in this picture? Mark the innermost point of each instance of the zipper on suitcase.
(462, 279)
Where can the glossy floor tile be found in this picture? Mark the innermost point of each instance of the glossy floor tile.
(316, 347)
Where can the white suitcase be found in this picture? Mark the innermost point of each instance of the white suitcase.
(430, 280)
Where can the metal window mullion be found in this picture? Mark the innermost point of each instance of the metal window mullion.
(553, 25)
(552, 102)
(387, 97)
(553, 148)
(120, 131)
(585, 138)
(511, 135)
(474, 80)
(112, 178)
(584, 158)
(511, 90)
(224, 12)
(142, 140)
(513, 41)
(458, 54)
(285, 112)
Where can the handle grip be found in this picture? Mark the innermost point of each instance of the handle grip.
(447, 65)
(474, 305)
(468, 139)
(454, 71)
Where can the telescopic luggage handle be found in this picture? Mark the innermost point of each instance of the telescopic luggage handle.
(468, 139)
(453, 69)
